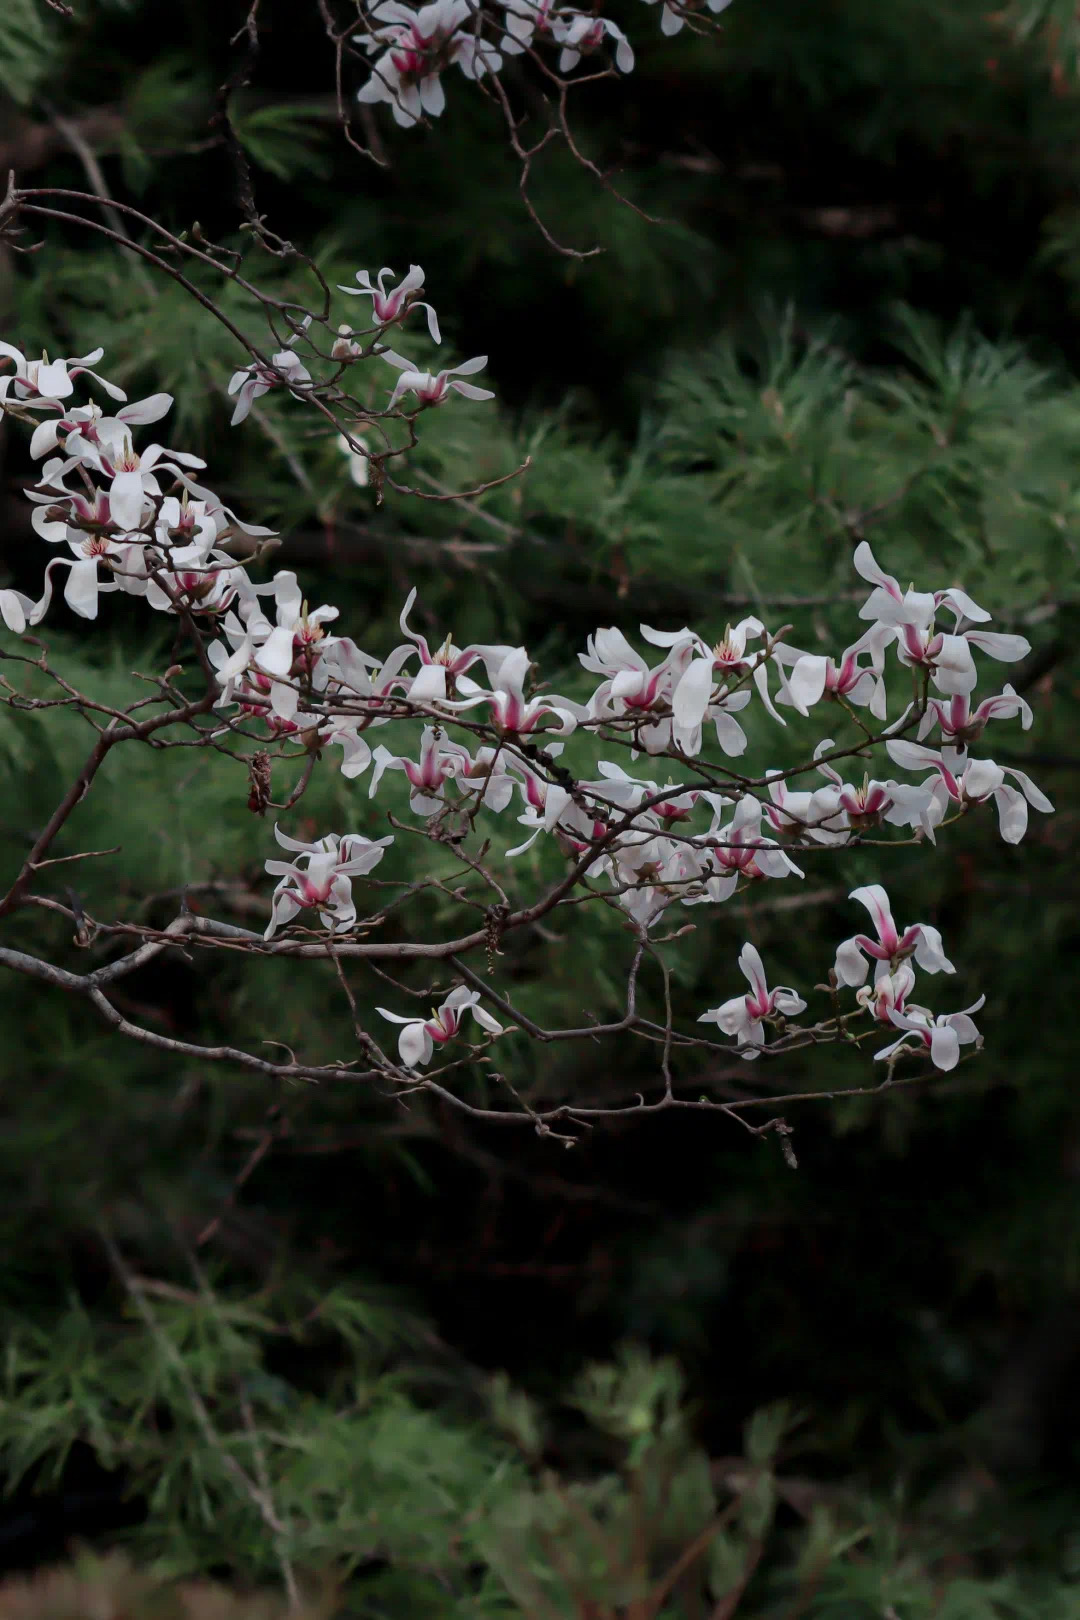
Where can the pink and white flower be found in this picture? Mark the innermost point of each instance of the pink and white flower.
(439, 759)
(910, 617)
(524, 20)
(285, 370)
(941, 1036)
(673, 17)
(891, 946)
(420, 1036)
(970, 784)
(739, 851)
(888, 993)
(422, 45)
(324, 884)
(743, 1016)
(41, 383)
(388, 307)
(435, 389)
(961, 725)
(91, 425)
(814, 676)
(582, 35)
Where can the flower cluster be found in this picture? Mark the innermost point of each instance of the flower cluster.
(136, 521)
(694, 828)
(412, 49)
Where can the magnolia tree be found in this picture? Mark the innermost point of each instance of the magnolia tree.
(640, 783)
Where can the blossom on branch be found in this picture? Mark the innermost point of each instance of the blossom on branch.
(435, 389)
(965, 784)
(582, 35)
(941, 1036)
(41, 383)
(910, 619)
(673, 17)
(324, 884)
(422, 45)
(891, 947)
(420, 1036)
(388, 307)
(743, 1016)
(251, 382)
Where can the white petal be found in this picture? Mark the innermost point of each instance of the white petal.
(944, 1047)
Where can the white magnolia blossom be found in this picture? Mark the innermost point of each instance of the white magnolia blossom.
(910, 618)
(525, 19)
(673, 17)
(324, 883)
(964, 784)
(420, 1036)
(891, 946)
(889, 991)
(582, 35)
(285, 370)
(435, 389)
(738, 850)
(416, 47)
(941, 1036)
(40, 384)
(814, 676)
(960, 724)
(89, 422)
(388, 307)
(743, 1016)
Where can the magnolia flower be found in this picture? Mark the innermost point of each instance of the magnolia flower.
(285, 369)
(92, 426)
(421, 46)
(743, 1016)
(888, 993)
(982, 779)
(447, 662)
(388, 307)
(511, 712)
(200, 583)
(439, 758)
(694, 696)
(435, 389)
(40, 383)
(891, 946)
(19, 612)
(813, 676)
(292, 648)
(631, 688)
(909, 616)
(581, 36)
(799, 814)
(324, 885)
(525, 19)
(420, 1036)
(673, 17)
(897, 803)
(134, 481)
(84, 584)
(961, 725)
(659, 871)
(668, 804)
(739, 850)
(485, 777)
(942, 1036)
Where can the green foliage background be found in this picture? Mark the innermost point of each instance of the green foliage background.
(476, 1375)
